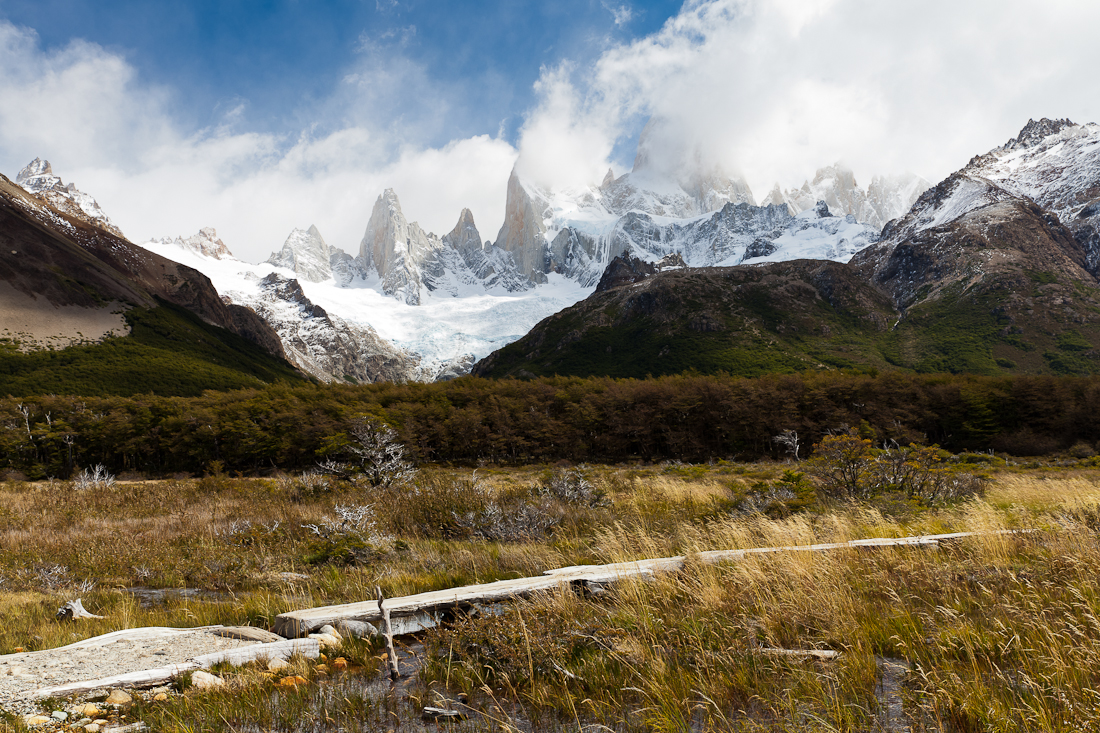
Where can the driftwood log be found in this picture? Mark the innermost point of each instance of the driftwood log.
(410, 614)
(310, 648)
(74, 610)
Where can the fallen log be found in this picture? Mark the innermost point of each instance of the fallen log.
(162, 675)
(422, 610)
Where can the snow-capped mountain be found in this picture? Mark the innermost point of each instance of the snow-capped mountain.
(306, 253)
(205, 243)
(38, 178)
(577, 234)
(1043, 183)
(322, 324)
(886, 198)
(1053, 163)
(323, 345)
(410, 262)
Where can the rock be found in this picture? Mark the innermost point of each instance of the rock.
(358, 629)
(160, 697)
(340, 664)
(293, 682)
(329, 629)
(87, 710)
(59, 715)
(277, 665)
(97, 695)
(247, 633)
(328, 641)
(205, 681)
(119, 697)
(35, 720)
(91, 728)
(16, 671)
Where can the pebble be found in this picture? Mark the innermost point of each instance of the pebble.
(59, 715)
(119, 697)
(358, 629)
(277, 665)
(91, 728)
(205, 681)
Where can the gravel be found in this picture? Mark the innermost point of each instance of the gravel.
(129, 651)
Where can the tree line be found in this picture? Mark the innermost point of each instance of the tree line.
(692, 418)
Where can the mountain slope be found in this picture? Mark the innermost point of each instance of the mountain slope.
(61, 272)
(985, 263)
(779, 317)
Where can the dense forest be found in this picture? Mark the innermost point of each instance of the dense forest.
(471, 421)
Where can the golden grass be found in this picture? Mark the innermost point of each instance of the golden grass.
(1000, 631)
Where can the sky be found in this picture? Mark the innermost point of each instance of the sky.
(256, 117)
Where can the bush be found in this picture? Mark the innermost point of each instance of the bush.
(573, 487)
(95, 477)
(850, 467)
(382, 459)
(349, 538)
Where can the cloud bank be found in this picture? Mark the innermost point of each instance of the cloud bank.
(775, 89)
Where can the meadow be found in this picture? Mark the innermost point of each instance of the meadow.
(993, 633)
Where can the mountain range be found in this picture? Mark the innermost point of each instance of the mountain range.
(993, 269)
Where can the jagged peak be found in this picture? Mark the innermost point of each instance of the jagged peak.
(313, 231)
(1034, 132)
(465, 219)
(36, 167)
(838, 172)
(608, 179)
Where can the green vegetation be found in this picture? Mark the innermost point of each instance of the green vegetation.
(169, 351)
(474, 421)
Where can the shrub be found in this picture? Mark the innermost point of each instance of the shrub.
(95, 477)
(382, 459)
(349, 538)
(850, 467)
(573, 487)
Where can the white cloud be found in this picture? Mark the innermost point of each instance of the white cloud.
(85, 110)
(777, 88)
(620, 14)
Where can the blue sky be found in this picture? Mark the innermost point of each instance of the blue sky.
(281, 59)
(258, 117)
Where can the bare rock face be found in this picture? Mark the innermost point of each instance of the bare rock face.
(625, 270)
(38, 178)
(523, 234)
(411, 262)
(306, 253)
(396, 249)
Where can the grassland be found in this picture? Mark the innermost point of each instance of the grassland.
(997, 633)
